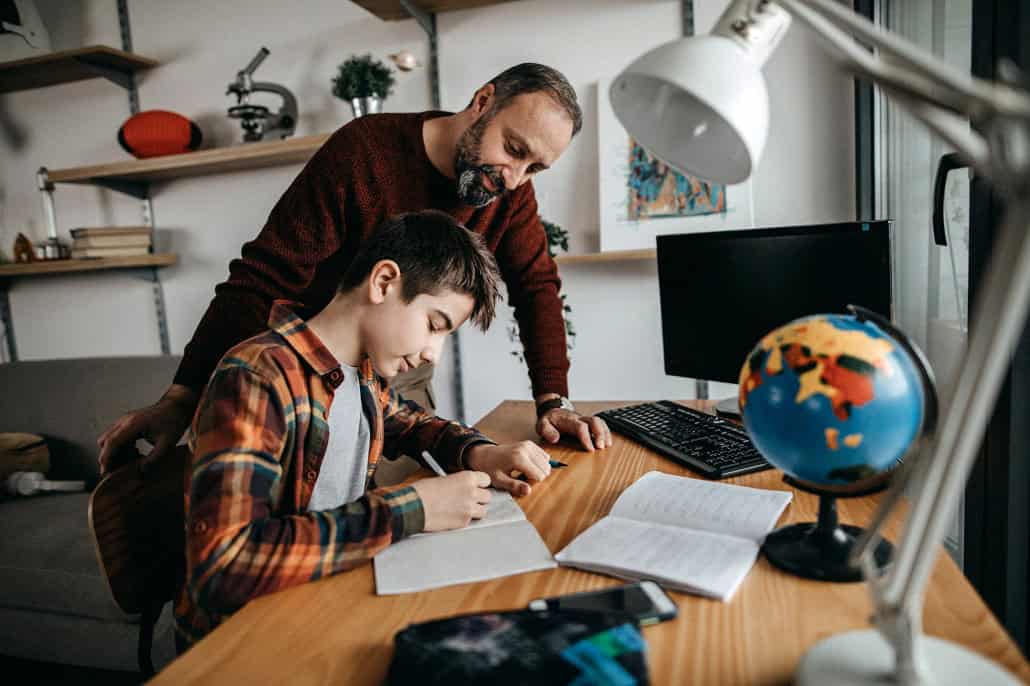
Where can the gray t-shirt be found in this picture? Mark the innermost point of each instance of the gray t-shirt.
(341, 479)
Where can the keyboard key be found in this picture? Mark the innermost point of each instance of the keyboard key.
(689, 437)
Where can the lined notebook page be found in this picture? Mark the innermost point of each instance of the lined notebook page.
(683, 559)
(695, 504)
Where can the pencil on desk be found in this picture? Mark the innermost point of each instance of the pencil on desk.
(433, 463)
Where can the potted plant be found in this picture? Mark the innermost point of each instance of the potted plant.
(364, 82)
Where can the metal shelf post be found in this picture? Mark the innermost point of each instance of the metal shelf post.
(8, 322)
(427, 20)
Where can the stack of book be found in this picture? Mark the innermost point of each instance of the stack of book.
(124, 241)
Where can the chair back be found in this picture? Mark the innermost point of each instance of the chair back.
(137, 518)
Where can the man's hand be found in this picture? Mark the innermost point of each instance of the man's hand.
(452, 501)
(499, 461)
(591, 432)
(162, 423)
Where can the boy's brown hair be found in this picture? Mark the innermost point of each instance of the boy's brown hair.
(435, 253)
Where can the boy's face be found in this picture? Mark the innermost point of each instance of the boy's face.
(399, 336)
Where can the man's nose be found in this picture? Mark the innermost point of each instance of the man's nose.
(513, 176)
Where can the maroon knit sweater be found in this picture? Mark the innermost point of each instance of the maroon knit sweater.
(374, 167)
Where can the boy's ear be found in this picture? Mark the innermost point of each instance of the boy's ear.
(386, 274)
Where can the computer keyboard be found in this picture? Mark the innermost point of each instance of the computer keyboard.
(703, 442)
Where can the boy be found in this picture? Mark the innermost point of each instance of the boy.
(290, 428)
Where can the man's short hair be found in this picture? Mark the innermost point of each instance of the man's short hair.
(435, 253)
(530, 77)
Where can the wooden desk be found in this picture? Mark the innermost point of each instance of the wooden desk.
(337, 631)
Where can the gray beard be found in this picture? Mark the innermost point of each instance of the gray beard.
(471, 190)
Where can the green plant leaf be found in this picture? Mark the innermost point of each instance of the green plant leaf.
(362, 76)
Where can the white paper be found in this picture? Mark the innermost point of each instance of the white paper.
(688, 534)
(461, 556)
(684, 559)
(719, 508)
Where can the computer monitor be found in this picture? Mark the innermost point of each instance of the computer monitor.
(721, 292)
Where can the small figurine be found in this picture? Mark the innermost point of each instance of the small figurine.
(23, 250)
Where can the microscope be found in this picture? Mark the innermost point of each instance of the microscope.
(257, 121)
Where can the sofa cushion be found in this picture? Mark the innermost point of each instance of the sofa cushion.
(70, 402)
(48, 561)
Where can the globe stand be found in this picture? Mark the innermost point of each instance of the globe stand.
(820, 550)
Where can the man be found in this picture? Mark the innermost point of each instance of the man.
(475, 165)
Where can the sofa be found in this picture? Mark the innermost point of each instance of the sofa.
(55, 605)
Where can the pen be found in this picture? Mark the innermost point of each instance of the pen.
(556, 463)
(433, 463)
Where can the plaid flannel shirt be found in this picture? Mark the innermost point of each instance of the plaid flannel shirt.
(258, 440)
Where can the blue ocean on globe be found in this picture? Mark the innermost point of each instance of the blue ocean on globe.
(832, 400)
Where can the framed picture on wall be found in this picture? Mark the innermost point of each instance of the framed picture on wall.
(641, 197)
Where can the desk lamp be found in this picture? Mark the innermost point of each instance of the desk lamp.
(701, 105)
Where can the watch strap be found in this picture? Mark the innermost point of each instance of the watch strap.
(554, 403)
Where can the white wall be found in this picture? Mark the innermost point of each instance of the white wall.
(806, 175)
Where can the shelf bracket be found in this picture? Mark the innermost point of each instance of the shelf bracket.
(8, 322)
(427, 20)
(115, 76)
(137, 189)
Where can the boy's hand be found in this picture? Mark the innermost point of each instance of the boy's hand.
(499, 461)
(452, 501)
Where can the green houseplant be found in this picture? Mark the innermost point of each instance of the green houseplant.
(364, 82)
(557, 238)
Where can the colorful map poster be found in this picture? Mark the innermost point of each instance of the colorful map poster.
(642, 197)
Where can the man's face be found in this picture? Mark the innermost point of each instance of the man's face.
(400, 336)
(503, 149)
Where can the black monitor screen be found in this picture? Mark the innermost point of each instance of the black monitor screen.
(721, 292)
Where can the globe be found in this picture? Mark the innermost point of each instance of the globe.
(834, 401)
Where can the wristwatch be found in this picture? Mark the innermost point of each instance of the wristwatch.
(548, 405)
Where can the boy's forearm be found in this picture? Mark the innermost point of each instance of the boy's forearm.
(296, 549)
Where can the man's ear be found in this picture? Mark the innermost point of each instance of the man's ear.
(385, 274)
(482, 100)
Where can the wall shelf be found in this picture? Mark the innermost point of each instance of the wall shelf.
(611, 256)
(135, 174)
(51, 267)
(392, 10)
(65, 66)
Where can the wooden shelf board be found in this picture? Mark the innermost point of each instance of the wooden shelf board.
(611, 256)
(66, 66)
(48, 267)
(391, 10)
(213, 161)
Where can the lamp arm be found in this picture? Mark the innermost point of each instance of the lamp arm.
(1000, 318)
(910, 68)
(928, 90)
(953, 128)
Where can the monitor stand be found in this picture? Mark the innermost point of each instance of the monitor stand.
(728, 407)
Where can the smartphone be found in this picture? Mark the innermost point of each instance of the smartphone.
(644, 599)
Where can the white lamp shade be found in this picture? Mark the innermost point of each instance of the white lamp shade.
(699, 104)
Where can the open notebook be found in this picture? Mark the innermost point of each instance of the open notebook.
(687, 534)
(500, 544)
